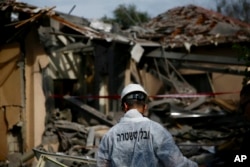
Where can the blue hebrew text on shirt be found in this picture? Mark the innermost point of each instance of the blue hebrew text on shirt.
(136, 135)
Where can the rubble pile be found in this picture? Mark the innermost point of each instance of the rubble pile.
(201, 133)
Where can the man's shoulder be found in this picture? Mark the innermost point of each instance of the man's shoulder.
(157, 127)
(154, 123)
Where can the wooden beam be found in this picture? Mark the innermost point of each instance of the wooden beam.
(158, 53)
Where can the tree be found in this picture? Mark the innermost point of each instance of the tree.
(127, 16)
(238, 9)
(244, 54)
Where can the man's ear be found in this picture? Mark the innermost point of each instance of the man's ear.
(125, 106)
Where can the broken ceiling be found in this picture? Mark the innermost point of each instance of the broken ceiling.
(178, 27)
(193, 25)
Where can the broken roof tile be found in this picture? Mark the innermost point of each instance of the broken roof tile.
(195, 25)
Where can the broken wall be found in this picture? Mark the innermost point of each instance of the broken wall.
(36, 61)
(10, 98)
(227, 83)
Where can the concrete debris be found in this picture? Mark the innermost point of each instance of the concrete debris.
(189, 24)
(47, 159)
(99, 25)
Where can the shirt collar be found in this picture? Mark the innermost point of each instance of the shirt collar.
(133, 113)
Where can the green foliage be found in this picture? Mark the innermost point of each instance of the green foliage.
(238, 9)
(127, 16)
(244, 54)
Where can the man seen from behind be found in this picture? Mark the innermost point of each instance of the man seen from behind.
(137, 141)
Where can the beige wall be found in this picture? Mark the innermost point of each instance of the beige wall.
(227, 83)
(35, 99)
(10, 95)
(223, 83)
(32, 112)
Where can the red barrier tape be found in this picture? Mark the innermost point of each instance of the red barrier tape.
(192, 95)
(154, 96)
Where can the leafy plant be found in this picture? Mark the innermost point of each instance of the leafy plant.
(244, 54)
(127, 16)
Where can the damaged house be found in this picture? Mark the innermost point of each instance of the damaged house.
(196, 52)
(61, 76)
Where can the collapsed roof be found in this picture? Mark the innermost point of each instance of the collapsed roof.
(194, 25)
(178, 27)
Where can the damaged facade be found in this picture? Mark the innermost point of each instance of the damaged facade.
(61, 79)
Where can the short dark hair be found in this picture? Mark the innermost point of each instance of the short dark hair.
(132, 103)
